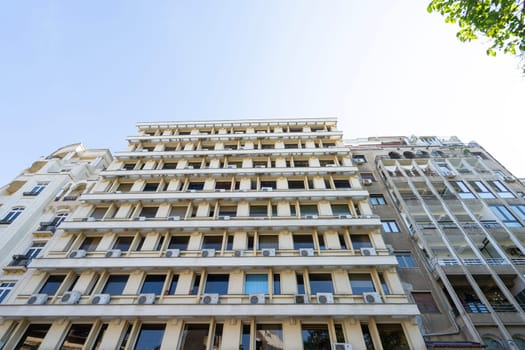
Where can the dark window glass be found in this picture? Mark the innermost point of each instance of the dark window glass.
(340, 209)
(216, 283)
(392, 337)
(276, 283)
(303, 241)
(258, 210)
(341, 184)
(90, 244)
(321, 283)
(361, 283)
(212, 242)
(296, 185)
(149, 212)
(367, 337)
(115, 284)
(77, 336)
(52, 284)
(268, 241)
(196, 186)
(196, 283)
(179, 242)
(315, 337)
(123, 243)
(360, 241)
(169, 166)
(377, 199)
(126, 337)
(342, 241)
(300, 283)
(269, 337)
(173, 284)
(150, 337)
(33, 337)
(194, 337)
(151, 187)
(405, 261)
(245, 339)
(153, 284)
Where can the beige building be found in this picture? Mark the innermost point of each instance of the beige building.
(246, 234)
(455, 219)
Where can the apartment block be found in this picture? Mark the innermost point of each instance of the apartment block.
(454, 218)
(245, 234)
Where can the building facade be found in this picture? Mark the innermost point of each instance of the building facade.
(248, 234)
(453, 214)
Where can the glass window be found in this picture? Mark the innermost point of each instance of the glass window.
(245, 338)
(5, 288)
(520, 210)
(212, 242)
(384, 286)
(315, 336)
(256, 283)
(361, 283)
(321, 283)
(425, 302)
(76, 336)
(505, 216)
(268, 241)
(462, 190)
(149, 212)
(309, 210)
(35, 249)
(33, 337)
(258, 210)
(115, 284)
(52, 284)
(196, 284)
(276, 283)
(367, 337)
(90, 244)
(151, 187)
(377, 199)
(392, 337)
(405, 261)
(12, 215)
(303, 241)
(217, 283)
(501, 189)
(217, 337)
(150, 337)
(481, 189)
(339, 184)
(194, 337)
(300, 283)
(153, 284)
(390, 226)
(340, 209)
(269, 337)
(360, 241)
(123, 243)
(179, 242)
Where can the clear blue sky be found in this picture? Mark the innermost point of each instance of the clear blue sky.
(73, 71)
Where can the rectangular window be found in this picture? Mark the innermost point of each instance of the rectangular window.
(217, 283)
(52, 284)
(309, 210)
(150, 337)
(196, 284)
(361, 283)
(245, 338)
(300, 283)
(5, 289)
(505, 216)
(36, 190)
(481, 189)
(340, 209)
(100, 335)
(390, 226)
(377, 199)
(115, 284)
(195, 186)
(425, 302)
(153, 284)
(76, 336)
(195, 337)
(462, 190)
(179, 242)
(342, 184)
(303, 241)
(269, 337)
(405, 261)
(149, 212)
(361, 241)
(212, 242)
(520, 210)
(33, 336)
(321, 283)
(392, 337)
(35, 249)
(268, 241)
(123, 243)
(316, 336)
(12, 215)
(501, 189)
(258, 210)
(90, 244)
(173, 284)
(151, 187)
(256, 283)
(276, 283)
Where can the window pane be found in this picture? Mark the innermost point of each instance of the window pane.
(321, 283)
(173, 284)
(76, 337)
(179, 242)
(90, 244)
(360, 241)
(276, 283)
(392, 337)
(123, 243)
(194, 337)
(268, 241)
(33, 337)
(425, 302)
(52, 284)
(303, 241)
(256, 283)
(361, 283)
(150, 337)
(217, 284)
(212, 242)
(115, 284)
(153, 284)
(315, 337)
(269, 337)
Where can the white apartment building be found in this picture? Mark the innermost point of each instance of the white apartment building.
(246, 234)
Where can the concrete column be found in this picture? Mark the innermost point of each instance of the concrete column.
(173, 185)
(354, 335)
(209, 185)
(85, 282)
(134, 283)
(231, 334)
(124, 211)
(172, 334)
(150, 241)
(138, 185)
(331, 239)
(285, 240)
(243, 209)
(283, 209)
(341, 282)
(185, 283)
(114, 334)
(324, 208)
(282, 183)
(288, 282)
(245, 183)
(236, 283)
(163, 211)
(106, 242)
(150, 164)
(292, 331)
(55, 335)
(240, 240)
(280, 163)
(319, 182)
(413, 334)
(195, 241)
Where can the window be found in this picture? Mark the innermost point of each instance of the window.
(405, 260)
(309, 210)
(115, 284)
(195, 186)
(481, 189)
(340, 209)
(300, 283)
(149, 212)
(52, 284)
(90, 244)
(35, 249)
(76, 336)
(33, 336)
(12, 215)
(377, 199)
(505, 216)
(151, 187)
(462, 190)
(276, 283)
(520, 210)
(196, 284)
(172, 287)
(258, 210)
(5, 289)
(321, 283)
(194, 337)
(36, 190)
(59, 218)
(361, 241)
(256, 283)
(389, 226)
(501, 189)
(315, 336)
(392, 337)
(296, 184)
(269, 337)
(123, 243)
(268, 241)
(425, 302)
(179, 242)
(361, 283)
(150, 337)
(101, 333)
(212, 242)
(98, 213)
(340, 184)
(217, 283)
(153, 284)
(303, 241)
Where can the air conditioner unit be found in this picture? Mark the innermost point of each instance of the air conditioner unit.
(99, 299)
(207, 253)
(367, 182)
(224, 217)
(232, 166)
(390, 248)
(174, 218)
(141, 218)
(301, 299)
(266, 189)
(342, 346)
(368, 251)
(325, 298)
(192, 191)
(509, 179)
(306, 252)
(70, 297)
(331, 165)
(146, 298)
(37, 299)
(210, 298)
(345, 216)
(79, 253)
(372, 298)
(91, 219)
(117, 192)
(238, 252)
(113, 253)
(260, 166)
(188, 167)
(311, 216)
(268, 252)
(220, 190)
(172, 253)
(257, 299)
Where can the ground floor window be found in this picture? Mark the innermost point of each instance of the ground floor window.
(392, 337)
(315, 337)
(33, 337)
(150, 337)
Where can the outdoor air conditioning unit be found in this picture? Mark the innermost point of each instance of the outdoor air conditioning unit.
(367, 182)
(224, 217)
(342, 346)
(345, 216)
(331, 165)
(238, 252)
(91, 219)
(368, 251)
(210, 298)
(311, 216)
(325, 298)
(207, 253)
(260, 166)
(232, 166)
(509, 179)
(141, 218)
(220, 190)
(306, 252)
(301, 299)
(79, 253)
(113, 253)
(268, 252)
(172, 253)
(174, 218)
(37, 299)
(266, 189)
(257, 299)
(146, 298)
(99, 299)
(70, 297)
(372, 298)
(188, 167)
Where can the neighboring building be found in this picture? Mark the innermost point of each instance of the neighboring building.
(248, 234)
(37, 201)
(455, 219)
